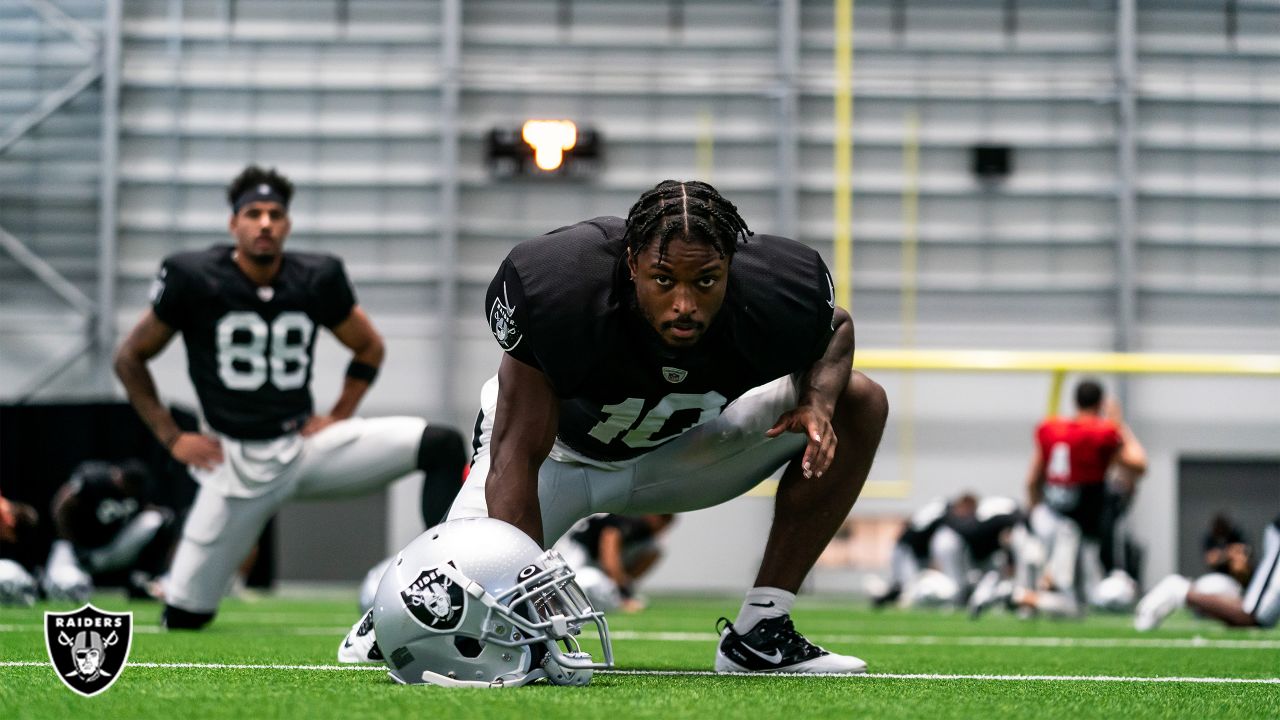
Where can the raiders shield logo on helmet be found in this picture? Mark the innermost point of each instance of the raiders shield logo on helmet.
(434, 601)
(88, 647)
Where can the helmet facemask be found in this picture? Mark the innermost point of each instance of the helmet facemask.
(544, 607)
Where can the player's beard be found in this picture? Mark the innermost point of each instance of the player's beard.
(263, 258)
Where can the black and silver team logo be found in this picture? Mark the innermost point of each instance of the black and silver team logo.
(434, 601)
(674, 375)
(88, 647)
(502, 322)
(157, 286)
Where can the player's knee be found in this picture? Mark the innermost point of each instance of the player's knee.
(441, 448)
(178, 619)
(864, 402)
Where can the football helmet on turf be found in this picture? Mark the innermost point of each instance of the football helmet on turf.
(475, 602)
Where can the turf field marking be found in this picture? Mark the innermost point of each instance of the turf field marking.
(997, 641)
(1196, 643)
(940, 676)
(330, 631)
(709, 673)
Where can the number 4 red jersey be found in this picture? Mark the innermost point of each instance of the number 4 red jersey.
(1077, 451)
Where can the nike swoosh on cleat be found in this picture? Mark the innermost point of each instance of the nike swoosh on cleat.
(775, 657)
(763, 605)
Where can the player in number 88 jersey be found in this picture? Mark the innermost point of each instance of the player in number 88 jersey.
(248, 314)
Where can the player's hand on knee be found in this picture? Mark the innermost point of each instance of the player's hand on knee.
(816, 426)
(197, 450)
(316, 423)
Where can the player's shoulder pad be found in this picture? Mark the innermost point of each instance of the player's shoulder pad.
(317, 263)
(783, 296)
(192, 264)
(566, 295)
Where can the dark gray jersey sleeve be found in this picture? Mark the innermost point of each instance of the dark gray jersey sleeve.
(335, 297)
(171, 293)
(508, 314)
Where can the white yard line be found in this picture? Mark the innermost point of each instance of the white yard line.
(1195, 643)
(993, 641)
(708, 673)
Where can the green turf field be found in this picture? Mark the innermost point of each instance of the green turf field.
(275, 658)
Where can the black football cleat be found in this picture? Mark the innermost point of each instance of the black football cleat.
(774, 646)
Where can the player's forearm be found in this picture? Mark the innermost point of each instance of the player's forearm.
(610, 557)
(1133, 456)
(366, 361)
(353, 391)
(140, 387)
(1035, 491)
(511, 493)
(830, 374)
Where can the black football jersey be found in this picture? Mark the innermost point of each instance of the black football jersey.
(564, 303)
(100, 507)
(634, 530)
(250, 349)
(982, 537)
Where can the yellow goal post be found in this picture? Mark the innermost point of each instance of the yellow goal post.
(1058, 364)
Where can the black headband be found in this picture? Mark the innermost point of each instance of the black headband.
(262, 192)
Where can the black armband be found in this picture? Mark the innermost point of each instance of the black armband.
(362, 371)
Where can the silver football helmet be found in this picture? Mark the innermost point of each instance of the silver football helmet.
(476, 603)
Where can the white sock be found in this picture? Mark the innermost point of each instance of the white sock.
(761, 603)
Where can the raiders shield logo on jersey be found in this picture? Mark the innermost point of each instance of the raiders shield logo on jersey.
(502, 322)
(88, 647)
(434, 601)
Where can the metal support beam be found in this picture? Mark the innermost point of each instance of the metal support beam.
(788, 116)
(1126, 178)
(53, 369)
(83, 35)
(108, 184)
(97, 44)
(450, 108)
(46, 274)
(49, 104)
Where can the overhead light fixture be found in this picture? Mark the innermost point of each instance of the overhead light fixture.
(549, 140)
(544, 147)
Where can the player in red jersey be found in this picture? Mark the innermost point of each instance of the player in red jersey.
(1067, 487)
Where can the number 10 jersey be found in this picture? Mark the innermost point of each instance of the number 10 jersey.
(564, 304)
(250, 348)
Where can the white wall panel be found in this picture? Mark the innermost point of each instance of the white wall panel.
(347, 98)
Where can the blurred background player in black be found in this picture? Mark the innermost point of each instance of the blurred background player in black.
(108, 532)
(910, 554)
(1225, 550)
(248, 314)
(611, 553)
(1218, 596)
(18, 569)
(947, 547)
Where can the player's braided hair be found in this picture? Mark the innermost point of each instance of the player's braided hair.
(253, 176)
(690, 210)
